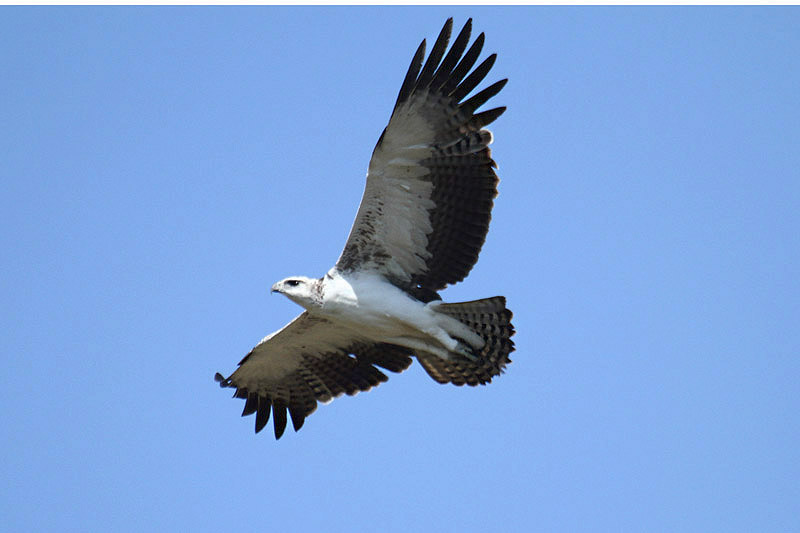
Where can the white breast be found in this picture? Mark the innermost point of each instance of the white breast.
(369, 304)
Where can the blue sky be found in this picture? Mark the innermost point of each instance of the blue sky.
(162, 167)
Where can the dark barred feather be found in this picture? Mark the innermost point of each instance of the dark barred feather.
(318, 379)
(490, 319)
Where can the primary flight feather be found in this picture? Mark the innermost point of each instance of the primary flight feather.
(421, 224)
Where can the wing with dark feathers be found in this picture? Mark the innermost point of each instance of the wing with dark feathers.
(308, 361)
(431, 183)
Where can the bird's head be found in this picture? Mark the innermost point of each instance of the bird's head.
(299, 289)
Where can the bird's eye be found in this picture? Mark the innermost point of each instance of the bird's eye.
(292, 282)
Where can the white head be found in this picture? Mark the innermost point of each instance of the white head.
(301, 290)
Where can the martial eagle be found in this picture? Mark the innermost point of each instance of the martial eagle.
(421, 224)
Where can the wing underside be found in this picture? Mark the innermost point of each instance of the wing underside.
(306, 362)
(431, 183)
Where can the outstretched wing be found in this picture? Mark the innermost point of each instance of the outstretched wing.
(431, 183)
(307, 361)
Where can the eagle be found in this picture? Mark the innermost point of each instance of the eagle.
(421, 224)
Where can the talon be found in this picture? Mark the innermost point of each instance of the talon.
(466, 351)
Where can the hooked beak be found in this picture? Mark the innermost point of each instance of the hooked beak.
(274, 289)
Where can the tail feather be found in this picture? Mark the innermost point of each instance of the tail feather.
(490, 319)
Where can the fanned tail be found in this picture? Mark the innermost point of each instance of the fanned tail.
(490, 319)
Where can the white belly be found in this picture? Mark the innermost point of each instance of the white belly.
(373, 307)
(378, 311)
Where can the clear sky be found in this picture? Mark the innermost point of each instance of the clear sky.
(162, 167)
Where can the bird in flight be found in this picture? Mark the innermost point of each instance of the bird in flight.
(421, 224)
